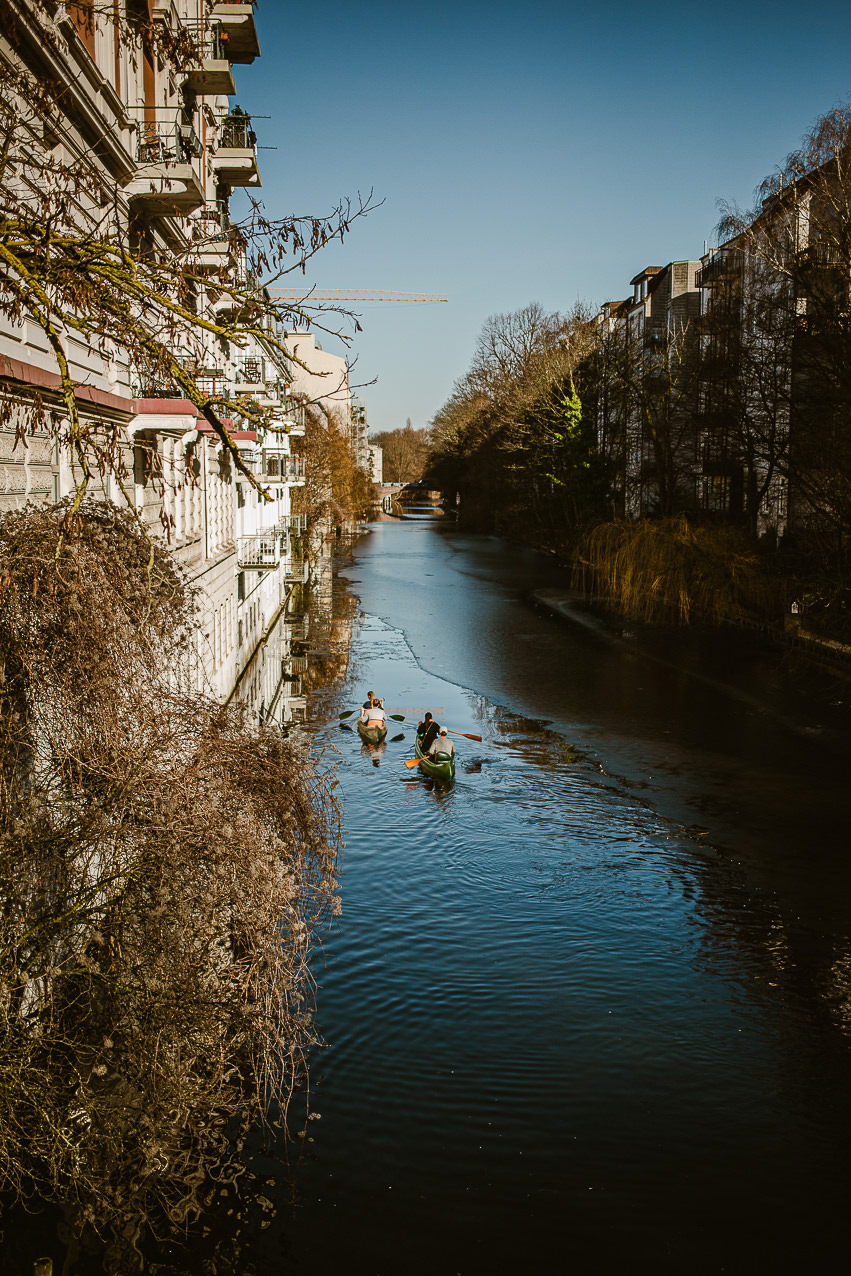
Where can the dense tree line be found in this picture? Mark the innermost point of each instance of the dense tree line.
(514, 440)
(405, 452)
(335, 486)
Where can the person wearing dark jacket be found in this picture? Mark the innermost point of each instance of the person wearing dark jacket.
(427, 731)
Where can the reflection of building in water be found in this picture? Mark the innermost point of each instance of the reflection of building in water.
(304, 646)
(273, 570)
(272, 683)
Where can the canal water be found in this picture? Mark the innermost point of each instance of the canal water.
(589, 1009)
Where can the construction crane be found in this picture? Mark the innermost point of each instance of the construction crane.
(346, 294)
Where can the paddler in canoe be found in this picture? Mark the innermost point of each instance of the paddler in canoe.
(427, 730)
(372, 723)
(438, 760)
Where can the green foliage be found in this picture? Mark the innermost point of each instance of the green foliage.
(513, 439)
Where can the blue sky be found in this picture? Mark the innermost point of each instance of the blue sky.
(526, 152)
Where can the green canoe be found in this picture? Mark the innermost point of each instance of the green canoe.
(373, 735)
(443, 768)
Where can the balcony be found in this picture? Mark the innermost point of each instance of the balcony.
(289, 416)
(655, 336)
(250, 375)
(275, 462)
(293, 472)
(166, 179)
(295, 570)
(235, 157)
(725, 264)
(295, 524)
(144, 385)
(252, 460)
(210, 75)
(822, 255)
(259, 552)
(238, 30)
(246, 299)
(281, 466)
(212, 248)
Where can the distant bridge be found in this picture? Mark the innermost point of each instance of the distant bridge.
(408, 495)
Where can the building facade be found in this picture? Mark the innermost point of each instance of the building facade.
(162, 136)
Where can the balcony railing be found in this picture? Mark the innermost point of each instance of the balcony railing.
(167, 143)
(209, 44)
(260, 551)
(822, 255)
(294, 569)
(236, 133)
(251, 460)
(275, 462)
(289, 415)
(726, 263)
(293, 523)
(149, 386)
(211, 223)
(250, 370)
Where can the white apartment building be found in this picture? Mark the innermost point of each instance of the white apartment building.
(174, 149)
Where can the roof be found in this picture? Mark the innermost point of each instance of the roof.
(615, 307)
(645, 274)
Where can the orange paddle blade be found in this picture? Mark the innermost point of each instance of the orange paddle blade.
(412, 763)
